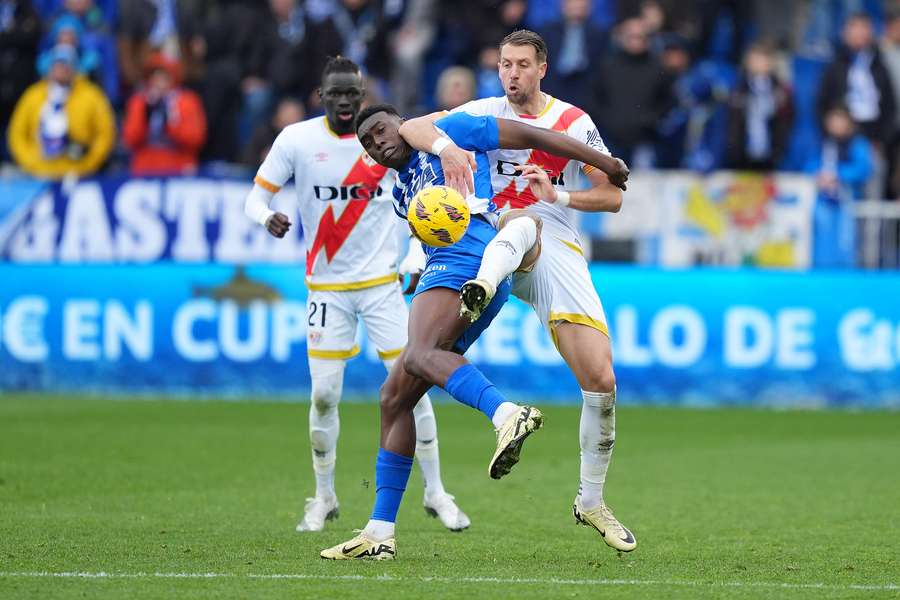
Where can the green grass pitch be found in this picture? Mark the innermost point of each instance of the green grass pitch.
(199, 499)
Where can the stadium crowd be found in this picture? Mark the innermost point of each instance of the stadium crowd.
(166, 86)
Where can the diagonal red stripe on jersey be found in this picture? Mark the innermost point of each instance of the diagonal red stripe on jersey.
(332, 234)
(554, 165)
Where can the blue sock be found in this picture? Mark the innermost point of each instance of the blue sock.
(468, 385)
(391, 474)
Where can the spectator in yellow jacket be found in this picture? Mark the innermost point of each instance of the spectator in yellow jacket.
(62, 125)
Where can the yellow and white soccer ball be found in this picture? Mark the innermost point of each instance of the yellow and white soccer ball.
(438, 216)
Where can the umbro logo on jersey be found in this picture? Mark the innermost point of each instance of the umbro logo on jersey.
(320, 156)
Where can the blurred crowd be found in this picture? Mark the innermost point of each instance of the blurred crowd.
(173, 86)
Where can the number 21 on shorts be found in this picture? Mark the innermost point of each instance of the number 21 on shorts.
(315, 309)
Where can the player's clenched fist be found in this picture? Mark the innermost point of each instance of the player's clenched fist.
(619, 174)
(278, 224)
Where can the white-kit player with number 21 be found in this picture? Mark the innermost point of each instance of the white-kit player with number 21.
(351, 273)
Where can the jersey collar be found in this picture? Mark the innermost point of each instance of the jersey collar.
(549, 102)
(328, 128)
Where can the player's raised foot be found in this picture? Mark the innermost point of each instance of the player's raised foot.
(475, 295)
(316, 512)
(362, 548)
(443, 506)
(601, 518)
(510, 437)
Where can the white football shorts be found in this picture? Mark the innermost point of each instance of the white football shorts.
(333, 318)
(559, 288)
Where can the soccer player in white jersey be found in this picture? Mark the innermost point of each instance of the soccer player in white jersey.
(347, 215)
(559, 287)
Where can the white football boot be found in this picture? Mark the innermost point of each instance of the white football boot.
(510, 437)
(316, 512)
(601, 518)
(443, 507)
(362, 548)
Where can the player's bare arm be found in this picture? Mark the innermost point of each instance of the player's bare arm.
(601, 197)
(458, 164)
(421, 134)
(519, 136)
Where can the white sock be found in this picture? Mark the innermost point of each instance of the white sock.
(324, 424)
(427, 447)
(379, 530)
(598, 436)
(505, 252)
(503, 413)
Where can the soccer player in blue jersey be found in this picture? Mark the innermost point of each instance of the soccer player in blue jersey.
(438, 335)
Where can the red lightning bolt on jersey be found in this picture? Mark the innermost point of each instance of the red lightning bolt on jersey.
(554, 165)
(332, 234)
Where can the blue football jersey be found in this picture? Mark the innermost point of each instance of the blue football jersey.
(477, 134)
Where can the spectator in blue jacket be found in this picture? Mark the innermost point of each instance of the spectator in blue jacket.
(81, 23)
(842, 168)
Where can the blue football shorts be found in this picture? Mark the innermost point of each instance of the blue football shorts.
(454, 265)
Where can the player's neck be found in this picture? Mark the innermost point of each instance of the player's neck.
(338, 129)
(533, 106)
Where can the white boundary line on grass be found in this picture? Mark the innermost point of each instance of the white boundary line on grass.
(888, 587)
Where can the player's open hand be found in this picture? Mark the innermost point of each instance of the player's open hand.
(538, 182)
(619, 174)
(459, 166)
(278, 224)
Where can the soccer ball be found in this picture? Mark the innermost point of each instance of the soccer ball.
(438, 216)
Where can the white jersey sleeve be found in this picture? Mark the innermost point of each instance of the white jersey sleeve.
(584, 130)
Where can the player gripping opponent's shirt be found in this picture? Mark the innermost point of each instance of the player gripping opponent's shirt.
(560, 286)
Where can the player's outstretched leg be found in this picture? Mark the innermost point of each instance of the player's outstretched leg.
(324, 426)
(588, 354)
(376, 541)
(516, 246)
(435, 328)
(438, 503)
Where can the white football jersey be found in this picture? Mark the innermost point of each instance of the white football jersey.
(510, 189)
(345, 205)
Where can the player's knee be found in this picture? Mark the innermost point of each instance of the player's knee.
(599, 378)
(389, 400)
(415, 362)
(325, 396)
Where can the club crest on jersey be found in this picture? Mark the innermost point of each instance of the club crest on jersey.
(315, 338)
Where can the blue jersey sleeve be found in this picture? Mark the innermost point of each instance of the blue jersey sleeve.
(470, 132)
